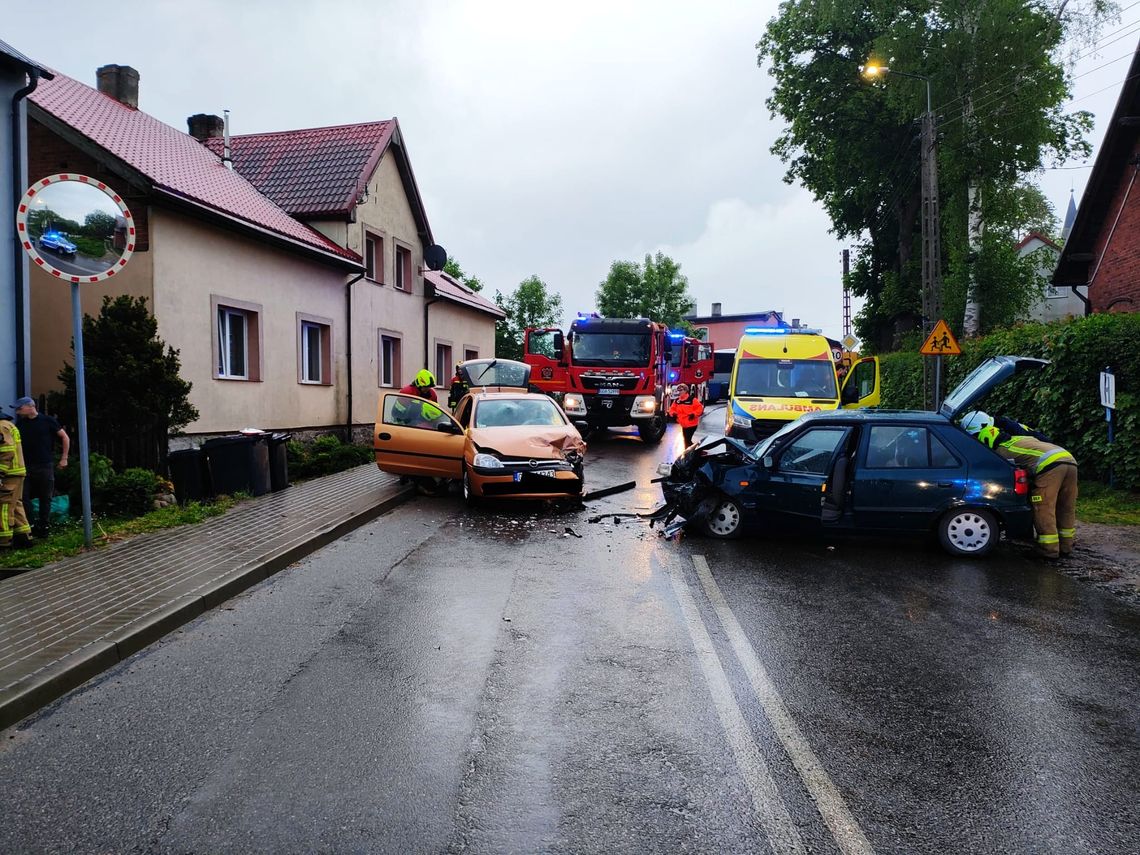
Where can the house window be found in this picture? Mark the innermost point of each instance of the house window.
(403, 268)
(314, 350)
(236, 339)
(374, 257)
(442, 364)
(389, 361)
(470, 353)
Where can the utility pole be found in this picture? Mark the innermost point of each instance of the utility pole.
(931, 239)
(846, 294)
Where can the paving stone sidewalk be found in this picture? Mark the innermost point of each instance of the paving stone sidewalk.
(63, 623)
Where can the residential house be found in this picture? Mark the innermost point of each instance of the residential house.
(1054, 303)
(725, 330)
(252, 298)
(1102, 254)
(289, 275)
(19, 76)
(355, 185)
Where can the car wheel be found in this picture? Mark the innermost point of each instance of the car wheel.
(968, 532)
(724, 521)
(652, 431)
(468, 491)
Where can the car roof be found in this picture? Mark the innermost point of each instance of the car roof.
(867, 415)
(521, 395)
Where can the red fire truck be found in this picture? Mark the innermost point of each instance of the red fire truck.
(612, 371)
(691, 364)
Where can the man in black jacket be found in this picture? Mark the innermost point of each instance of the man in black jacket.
(38, 433)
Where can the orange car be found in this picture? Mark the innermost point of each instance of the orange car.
(502, 442)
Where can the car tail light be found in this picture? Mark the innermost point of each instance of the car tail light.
(1021, 482)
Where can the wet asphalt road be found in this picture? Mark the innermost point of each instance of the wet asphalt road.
(443, 680)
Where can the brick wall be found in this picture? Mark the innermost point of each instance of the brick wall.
(49, 154)
(1118, 277)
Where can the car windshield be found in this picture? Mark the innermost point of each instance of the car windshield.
(611, 349)
(785, 378)
(512, 412)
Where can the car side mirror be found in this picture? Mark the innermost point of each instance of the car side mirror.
(769, 462)
(448, 427)
(558, 346)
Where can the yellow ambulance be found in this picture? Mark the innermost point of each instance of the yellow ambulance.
(780, 373)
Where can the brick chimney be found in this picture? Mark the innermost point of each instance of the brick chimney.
(716, 310)
(121, 82)
(204, 126)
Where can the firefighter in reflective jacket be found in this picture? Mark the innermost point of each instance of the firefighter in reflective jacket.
(14, 528)
(687, 410)
(1052, 477)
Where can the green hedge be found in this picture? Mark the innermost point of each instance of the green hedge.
(1063, 400)
(324, 456)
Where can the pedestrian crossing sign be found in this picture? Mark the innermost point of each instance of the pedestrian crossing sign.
(941, 342)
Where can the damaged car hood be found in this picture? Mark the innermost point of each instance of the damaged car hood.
(529, 440)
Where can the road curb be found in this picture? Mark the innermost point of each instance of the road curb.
(57, 679)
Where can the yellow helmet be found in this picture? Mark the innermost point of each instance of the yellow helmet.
(424, 378)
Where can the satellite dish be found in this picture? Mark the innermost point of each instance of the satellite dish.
(435, 257)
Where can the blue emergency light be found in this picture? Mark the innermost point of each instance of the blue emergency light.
(765, 330)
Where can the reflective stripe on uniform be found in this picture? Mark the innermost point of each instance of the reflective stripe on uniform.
(1067, 532)
(1048, 538)
(1055, 457)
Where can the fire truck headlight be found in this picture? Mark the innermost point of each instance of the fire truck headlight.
(574, 405)
(643, 405)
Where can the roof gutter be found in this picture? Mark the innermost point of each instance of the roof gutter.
(18, 251)
(348, 350)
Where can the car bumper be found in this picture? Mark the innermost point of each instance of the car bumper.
(1018, 523)
(527, 486)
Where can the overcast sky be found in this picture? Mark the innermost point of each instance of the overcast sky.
(546, 139)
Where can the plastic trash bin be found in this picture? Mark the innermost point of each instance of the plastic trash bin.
(278, 461)
(238, 464)
(188, 472)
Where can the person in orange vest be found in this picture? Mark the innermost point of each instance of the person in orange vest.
(14, 528)
(687, 410)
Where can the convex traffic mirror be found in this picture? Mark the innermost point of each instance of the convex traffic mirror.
(75, 228)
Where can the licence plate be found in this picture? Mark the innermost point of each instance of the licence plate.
(547, 473)
(609, 391)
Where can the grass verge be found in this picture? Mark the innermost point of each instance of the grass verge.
(1100, 504)
(67, 539)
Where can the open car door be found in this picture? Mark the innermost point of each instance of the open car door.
(861, 385)
(543, 350)
(415, 436)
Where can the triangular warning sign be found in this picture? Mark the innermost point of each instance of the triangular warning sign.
(941, 342)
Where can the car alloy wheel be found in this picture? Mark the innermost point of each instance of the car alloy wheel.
(724, 520)
(968, 532)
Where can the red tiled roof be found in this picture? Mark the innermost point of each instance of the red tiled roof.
(454, 291)
(1025, 241)
(310, 172)
(176, 163)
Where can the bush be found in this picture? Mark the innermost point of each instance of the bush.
(1063, 400)
(126, 494)
(324, 456)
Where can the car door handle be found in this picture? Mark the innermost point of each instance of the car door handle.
(384, 436)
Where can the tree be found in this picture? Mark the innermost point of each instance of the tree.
(656, 290)
(453, 270)
(135, 395)
(99, 224)
(998, 81)
(531, 304)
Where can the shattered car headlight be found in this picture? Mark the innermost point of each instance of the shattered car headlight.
(665, 469)
(741, 421)
(487, 461)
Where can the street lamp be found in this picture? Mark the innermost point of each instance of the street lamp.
(931, 228)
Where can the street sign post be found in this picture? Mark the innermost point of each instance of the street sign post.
(939, 343)
(1108, 401)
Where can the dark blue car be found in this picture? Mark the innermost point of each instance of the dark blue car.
(878, 472)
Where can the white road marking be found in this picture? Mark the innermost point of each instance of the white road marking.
(846, 831)
(770, 808)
